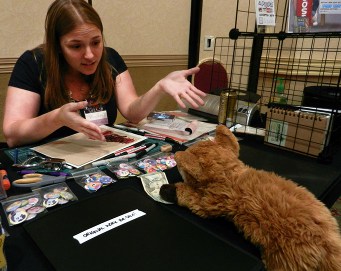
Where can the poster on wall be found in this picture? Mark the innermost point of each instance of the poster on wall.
(314, 16)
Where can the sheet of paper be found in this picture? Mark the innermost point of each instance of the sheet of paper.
(265, 12)
(107, 226)
(175, 125)
(78, 150)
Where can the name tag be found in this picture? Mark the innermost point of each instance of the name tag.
(97, 115)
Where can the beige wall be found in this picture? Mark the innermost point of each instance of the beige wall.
(147, 27)
(151, 35)
(144, 27)
(218, 17)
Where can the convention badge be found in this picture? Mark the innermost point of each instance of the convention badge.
(124, 166)
(106, 180)
(150, 161)
(62, 201)
(36, 210)
(141, 164)
(92, 179)
(150, 169)
(134, 171)
(161, 166)
(13, 206)
(50, 202)
(51, 195)
(26, 207)
(93, 186)
(66, 195)
(122, 173)
(18, 216)
(170, 163)
(24, 202)
(88, 179)
(146, 164)
(96, 176)
(33, 201)
(60, 189)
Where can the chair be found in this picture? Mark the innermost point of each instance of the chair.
(212, 77)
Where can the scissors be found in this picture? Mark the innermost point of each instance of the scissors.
(41, 162)
(37, 180)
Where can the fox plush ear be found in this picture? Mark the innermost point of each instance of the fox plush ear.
(225, 138)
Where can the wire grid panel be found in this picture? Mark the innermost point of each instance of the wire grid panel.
(246, 16)
(235, 56)
(291, 72)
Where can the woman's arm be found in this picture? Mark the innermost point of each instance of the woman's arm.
(22, 125)
(176, 85)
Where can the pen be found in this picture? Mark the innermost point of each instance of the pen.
(126, 128)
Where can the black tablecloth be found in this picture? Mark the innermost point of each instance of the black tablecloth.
(324, 181)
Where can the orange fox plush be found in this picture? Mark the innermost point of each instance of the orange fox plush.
(293, 229)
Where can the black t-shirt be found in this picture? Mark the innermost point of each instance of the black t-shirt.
(29, 74)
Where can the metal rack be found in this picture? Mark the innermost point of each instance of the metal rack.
(290, 72)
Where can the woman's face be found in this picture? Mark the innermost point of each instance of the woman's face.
(82, 49)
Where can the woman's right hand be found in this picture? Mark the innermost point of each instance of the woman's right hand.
(69, 116)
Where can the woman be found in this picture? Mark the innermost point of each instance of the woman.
(73, 82)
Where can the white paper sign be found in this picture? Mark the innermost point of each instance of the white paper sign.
(330, 7)
(107, 226)
(265, 12)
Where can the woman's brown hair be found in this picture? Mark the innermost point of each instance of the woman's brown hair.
(62, 17)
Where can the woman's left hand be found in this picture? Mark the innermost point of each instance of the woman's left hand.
(176, 85)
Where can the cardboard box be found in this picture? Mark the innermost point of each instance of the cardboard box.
(303, 132)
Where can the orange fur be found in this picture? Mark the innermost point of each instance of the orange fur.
(294, 230)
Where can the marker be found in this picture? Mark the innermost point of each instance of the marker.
(139, 148)
(126, 128)
(121, 156)
(16, 155)
(114, 159)
(128, 148)
(132, 150)
(124, 157)
(146, 134)
(160, 137)
(145, 151)
(116, 153)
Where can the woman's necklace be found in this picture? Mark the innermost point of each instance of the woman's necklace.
(81, 97)
(78, 89)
